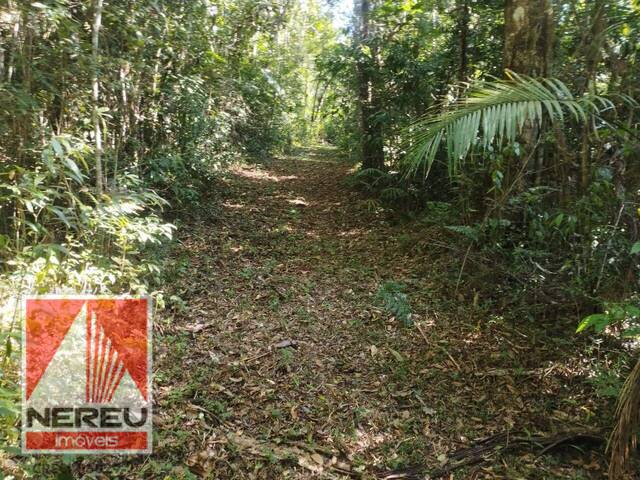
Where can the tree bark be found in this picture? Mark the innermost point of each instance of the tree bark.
(95, 38)
(528, 42)
(593, 45)
(463, 37)
(372, 143)
(528, 50)
(15, 43)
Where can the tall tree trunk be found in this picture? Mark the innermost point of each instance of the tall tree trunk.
(2, 50)
(371, 127)
(318, 99)
(593, 44)
(528, 49)
(97, 130)
(463, 37)
(528, 37)
(15, 42)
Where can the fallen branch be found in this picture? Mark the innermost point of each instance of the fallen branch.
(487, 449)
(504, 443)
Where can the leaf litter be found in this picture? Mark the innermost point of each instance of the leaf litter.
(282, 362)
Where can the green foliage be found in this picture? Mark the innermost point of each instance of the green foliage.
(497, 112)
(389, 187)
(65, 238)
(411, 57)
(65, 235)
(608, 382)
(395, 301)
(184, 89)
(626, 315)
(471, 232)
(536, 177)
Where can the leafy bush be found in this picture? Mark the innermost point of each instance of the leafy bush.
(64, 238)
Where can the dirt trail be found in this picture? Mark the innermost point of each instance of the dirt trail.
(276, 360)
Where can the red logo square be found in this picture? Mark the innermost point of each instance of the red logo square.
(86, 375)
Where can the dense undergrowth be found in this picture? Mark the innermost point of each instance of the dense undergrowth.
(116, 118)
(533, 177)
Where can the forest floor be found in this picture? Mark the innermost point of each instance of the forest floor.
(276, 359)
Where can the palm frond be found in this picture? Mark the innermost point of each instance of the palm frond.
(494, 112)
(624, 438)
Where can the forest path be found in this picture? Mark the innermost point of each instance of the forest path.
(276, 359)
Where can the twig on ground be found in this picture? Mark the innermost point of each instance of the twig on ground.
(439, 346)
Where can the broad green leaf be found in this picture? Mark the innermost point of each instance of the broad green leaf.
(74, 171)
(57, 148)
(61, 215)
(598, 321)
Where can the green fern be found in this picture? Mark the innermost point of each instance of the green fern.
(395, 302)
(494, 112)
(471, 232)
(370, 173)
(393, 194)
(370, 178)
